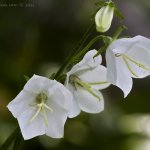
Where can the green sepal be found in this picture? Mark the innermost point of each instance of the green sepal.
(26, 77)
(62, 78)
(118, 31)
(118, 13)
(101, 3)
(52, 76)
(106, 39)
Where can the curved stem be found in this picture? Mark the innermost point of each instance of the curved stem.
(118, 32)
(76, 49)
(84, 38)
(88, 46)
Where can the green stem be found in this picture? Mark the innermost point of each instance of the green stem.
(118, 32)
(84, 37)
(76, 49)
(101, 50)
(88, 46)
(9, 140)
(17, 141)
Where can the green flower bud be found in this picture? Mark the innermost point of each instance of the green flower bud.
(103, 18)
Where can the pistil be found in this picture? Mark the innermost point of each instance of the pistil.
(77, 82)
(41, 107)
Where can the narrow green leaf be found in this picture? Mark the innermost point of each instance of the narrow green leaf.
(17, 141)
(26, 77)
(9, 140)
(118, 13)
(74, 51)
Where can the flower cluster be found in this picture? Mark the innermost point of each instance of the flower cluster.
(44, 105)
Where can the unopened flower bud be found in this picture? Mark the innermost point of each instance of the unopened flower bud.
(103, 18)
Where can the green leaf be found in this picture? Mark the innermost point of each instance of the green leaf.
(17, 141)
(9, 140)
(118, 13)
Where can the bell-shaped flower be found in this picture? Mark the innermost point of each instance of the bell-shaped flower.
(127, 58)
(41, 108)
(85, 80)
(103, 18)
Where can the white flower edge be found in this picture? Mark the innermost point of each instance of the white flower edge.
(87, 62)
(53, 114)
(127, 58)
(89, 100)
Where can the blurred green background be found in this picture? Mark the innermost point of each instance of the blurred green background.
(35, 38)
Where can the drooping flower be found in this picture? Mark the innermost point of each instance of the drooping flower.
(41, 108)
(127, 58)
(103, 18)
(85, 80)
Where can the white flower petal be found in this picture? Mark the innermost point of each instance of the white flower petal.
(74, 110)
(21, 103)
(90, 60)
(137, 71)
(126, 58)
(88, 70)
(141, 41)
(38, 83)
(57, 91)
(88, 102)
(31, 129)
(87, 62)
(56, 121)
(95, 77)
(122, 45)
(123, 81)
(70, 104)
(111, 66)
(40, 107)
(64, 98)
(140, 55)
(117, 72)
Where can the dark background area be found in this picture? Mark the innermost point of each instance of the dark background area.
(35, 38)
